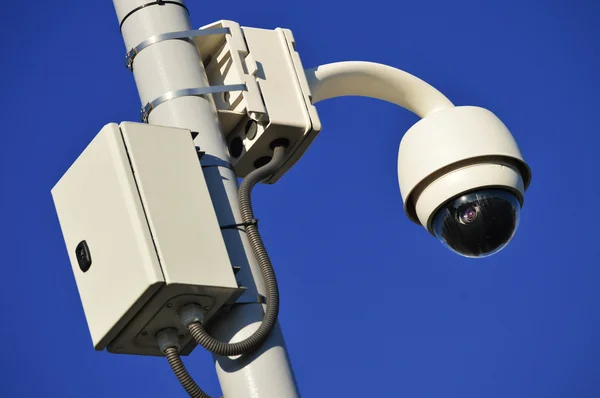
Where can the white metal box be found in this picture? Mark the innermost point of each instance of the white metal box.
(142, 236)
(276, 106)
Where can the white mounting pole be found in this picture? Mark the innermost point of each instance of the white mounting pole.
(173, 65)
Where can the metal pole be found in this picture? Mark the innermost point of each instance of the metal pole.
(173, 65)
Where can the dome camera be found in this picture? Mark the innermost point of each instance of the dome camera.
(463, 178)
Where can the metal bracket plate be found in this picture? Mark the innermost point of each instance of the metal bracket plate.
(248, 298)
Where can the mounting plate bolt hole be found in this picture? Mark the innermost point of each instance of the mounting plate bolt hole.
(236, 146)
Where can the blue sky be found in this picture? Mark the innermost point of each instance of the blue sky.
(371, 304)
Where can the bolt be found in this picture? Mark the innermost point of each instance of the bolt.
(144, 333)
(207, 309)
(169, 305)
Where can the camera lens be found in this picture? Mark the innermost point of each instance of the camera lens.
(479, 223)
(469, 214)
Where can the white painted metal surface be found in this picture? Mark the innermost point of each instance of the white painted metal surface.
(287, 112)
(277, 102)
(138, 198)
(176, 64)
(178, 206)
(125, 270)
(368, 79)
(453, 151)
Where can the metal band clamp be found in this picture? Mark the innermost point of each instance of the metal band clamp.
(186, 34)
(251, 299)
(254, 222)
(187, 92)
(152, 3)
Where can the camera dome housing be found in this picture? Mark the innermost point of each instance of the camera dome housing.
(478, 223)
(457, 151)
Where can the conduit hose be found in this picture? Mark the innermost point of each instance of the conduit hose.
(254, 341)
(182, 374)
(167, 338)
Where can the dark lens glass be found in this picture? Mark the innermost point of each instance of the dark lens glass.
(479, 223)
(468, 214)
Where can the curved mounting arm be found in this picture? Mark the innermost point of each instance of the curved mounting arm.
(368, 79)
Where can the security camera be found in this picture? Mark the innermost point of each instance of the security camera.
(461, 173)
(463, 178)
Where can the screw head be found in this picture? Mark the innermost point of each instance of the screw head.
(169, 305)
(180, 337)
(206, 308)
(144, 333)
